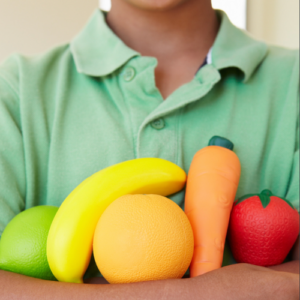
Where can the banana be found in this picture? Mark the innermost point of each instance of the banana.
(70, 239)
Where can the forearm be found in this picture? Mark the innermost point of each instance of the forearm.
(290, 267)
(18, 287)
(250, 282)
(236, 282)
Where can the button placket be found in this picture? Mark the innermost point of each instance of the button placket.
(158, 124)
(129, 74)
(137, 86)
(190, 92)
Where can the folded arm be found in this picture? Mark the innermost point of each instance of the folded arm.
(236, 282)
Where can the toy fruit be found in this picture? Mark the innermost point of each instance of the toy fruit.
(141, 238)
(70, 239)
(263, 228)
(212, 183)
(24, 241)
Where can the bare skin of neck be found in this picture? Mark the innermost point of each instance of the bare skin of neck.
(179, 37)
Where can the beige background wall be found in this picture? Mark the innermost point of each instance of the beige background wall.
(32, 26)
(276, 21)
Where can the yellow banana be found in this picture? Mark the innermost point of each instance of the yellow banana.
(70, 239)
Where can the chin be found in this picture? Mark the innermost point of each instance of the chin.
(155, 5)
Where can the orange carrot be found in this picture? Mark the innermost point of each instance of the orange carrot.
(211, 187)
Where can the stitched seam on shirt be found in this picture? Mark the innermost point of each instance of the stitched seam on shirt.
(178, 140)
(175, 138)
(11, 87)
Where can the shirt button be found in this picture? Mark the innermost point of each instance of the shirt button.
(158, 124)
(129, 74)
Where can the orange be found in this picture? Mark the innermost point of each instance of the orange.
(23, 243)
(141, 238)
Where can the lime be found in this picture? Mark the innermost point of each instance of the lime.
(23, 243)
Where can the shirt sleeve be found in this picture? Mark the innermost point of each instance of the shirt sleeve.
(293, 190)
(12, 166)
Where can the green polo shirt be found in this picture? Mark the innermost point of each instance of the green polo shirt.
(84, 106)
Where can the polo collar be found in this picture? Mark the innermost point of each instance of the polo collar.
(234, 47)
(97, 51)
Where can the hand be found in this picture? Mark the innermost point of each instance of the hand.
(247, 282)
(290, 267)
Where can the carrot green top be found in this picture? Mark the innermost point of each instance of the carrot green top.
(83, 106)
(220, 141)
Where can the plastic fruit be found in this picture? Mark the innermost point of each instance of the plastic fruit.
(24, 241)
(212, 183)
(70, 239)
(141, 238)
(262, 229)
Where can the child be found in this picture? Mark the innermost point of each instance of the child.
(152, 78)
